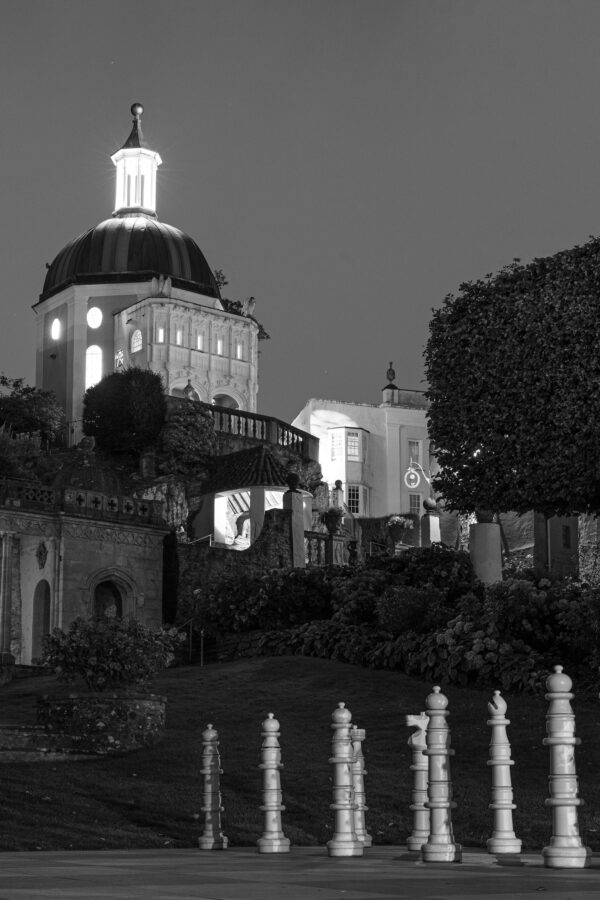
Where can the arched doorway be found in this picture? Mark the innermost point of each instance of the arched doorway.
(40, 625)
(108, 601)
(226, 401)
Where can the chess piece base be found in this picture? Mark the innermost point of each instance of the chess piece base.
(212, 843)
(344, 848)
(414, 844)
(503, 845)
(566, 857)
(273, 845)
(441, 853)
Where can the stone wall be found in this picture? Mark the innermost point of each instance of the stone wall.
(200, 564)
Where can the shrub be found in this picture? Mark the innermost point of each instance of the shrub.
(355, 593)
(439, 567)
(278, 598)
(109, 653)
(186, 441)
(406, 608)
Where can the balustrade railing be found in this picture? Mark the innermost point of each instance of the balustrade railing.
(239, 423)
(31, 496)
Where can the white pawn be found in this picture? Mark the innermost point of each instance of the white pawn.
(357, 736)
(503, 839)
(344, 841)
(440, 846)
(211, 838)
(273, 839)
(566, 849)
(420, 768)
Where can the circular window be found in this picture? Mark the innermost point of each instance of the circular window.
(55, 330)
(94, 317)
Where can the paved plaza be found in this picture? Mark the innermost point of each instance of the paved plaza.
(307, 873)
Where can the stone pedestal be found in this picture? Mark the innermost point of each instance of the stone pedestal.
(430, 529)
(294, 501)
(485, 550)
(566, 849)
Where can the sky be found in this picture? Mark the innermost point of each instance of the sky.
(346, 162)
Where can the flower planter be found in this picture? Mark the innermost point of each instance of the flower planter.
(105, 723)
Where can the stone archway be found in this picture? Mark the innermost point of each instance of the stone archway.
(226, 401)
(110, 589)
(108, 601)
(40, 625)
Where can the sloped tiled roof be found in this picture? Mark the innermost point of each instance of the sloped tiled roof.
(254, 467)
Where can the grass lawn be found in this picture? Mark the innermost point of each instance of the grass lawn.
(152, 798)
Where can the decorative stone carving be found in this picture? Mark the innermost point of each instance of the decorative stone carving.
(566, 849)
(41, 554)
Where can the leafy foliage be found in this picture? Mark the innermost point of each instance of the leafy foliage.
(276, 599)
(187, 440)
(437, 567)
(513, 363)
(109, 653)
(28, 410)
(125, 411)
(405, 608)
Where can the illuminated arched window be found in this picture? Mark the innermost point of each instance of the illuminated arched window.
(55, 329)
(93, 366)
(136, 341)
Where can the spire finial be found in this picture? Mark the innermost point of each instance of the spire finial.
(136, 171)
(136, 110)
(390, 374)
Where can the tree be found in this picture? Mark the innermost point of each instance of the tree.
(27, 410)
(513, 363)
(125, 411)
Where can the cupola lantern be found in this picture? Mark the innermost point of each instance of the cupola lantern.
(136, 172)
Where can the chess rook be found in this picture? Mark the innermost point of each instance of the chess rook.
(344, 841)
(503, 839)
(440, 846)
(357, 736)
(420, 767)
(273, 840)
(211, 838)
(566, 849)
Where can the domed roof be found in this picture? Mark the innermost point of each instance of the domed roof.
(131, 248)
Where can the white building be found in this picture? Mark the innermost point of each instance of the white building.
(133, 291)
(369, 448)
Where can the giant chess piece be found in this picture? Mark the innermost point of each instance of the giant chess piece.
(357, 736)
(440, 846)
(503, 839)
(566, 849)
(344, 841)
(420, 768)
(211, 838)
(273, 839)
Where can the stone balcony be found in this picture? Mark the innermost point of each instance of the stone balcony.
(239, 429)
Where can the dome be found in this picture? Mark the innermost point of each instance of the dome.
(131, 248)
